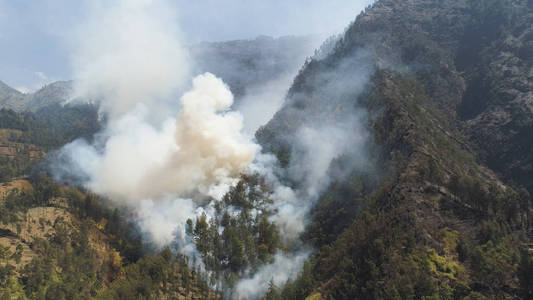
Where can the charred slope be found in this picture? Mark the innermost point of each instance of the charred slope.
(438, 222)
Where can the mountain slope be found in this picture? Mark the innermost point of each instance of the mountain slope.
(439, 223)
(54, 93)
(61, 242)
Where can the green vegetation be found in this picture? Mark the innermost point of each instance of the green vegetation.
(438, 227)
(29, 135)
(71, 244)
(52, 126)
(163, 275)
(240, 236)
(89, 251)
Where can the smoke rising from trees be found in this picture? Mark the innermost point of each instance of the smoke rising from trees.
(172, 161)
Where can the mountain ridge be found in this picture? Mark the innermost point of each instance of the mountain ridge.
(432, 225)
(258, 60)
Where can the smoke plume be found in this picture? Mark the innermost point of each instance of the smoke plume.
(171, 161)
(326, 135)
(128, 52)
(129, 59)
(201, 149)
(283, 269)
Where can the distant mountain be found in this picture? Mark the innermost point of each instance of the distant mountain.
(53, 93)
(242, 64)
(11, 98)
(245, 64)
(50, 94)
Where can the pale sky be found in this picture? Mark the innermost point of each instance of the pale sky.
(34, 33)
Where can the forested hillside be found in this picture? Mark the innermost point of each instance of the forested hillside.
(447, 99)
(61, 242)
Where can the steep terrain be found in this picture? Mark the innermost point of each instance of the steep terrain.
(447, 96)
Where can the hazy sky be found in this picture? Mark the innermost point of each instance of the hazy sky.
(34, 35)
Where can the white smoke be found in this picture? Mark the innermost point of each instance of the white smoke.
(315, 148)
(202, 147)
(154, 152)
(170, 161)
(165, 220)
(313, 151)
(291, 212)
(202, 150)
(336, 133)
(128, 52)
(282, 269)
(261, 103)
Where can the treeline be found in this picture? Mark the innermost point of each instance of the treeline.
(157, 276)
(53, 126)
(48, 129)
(15, 166)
